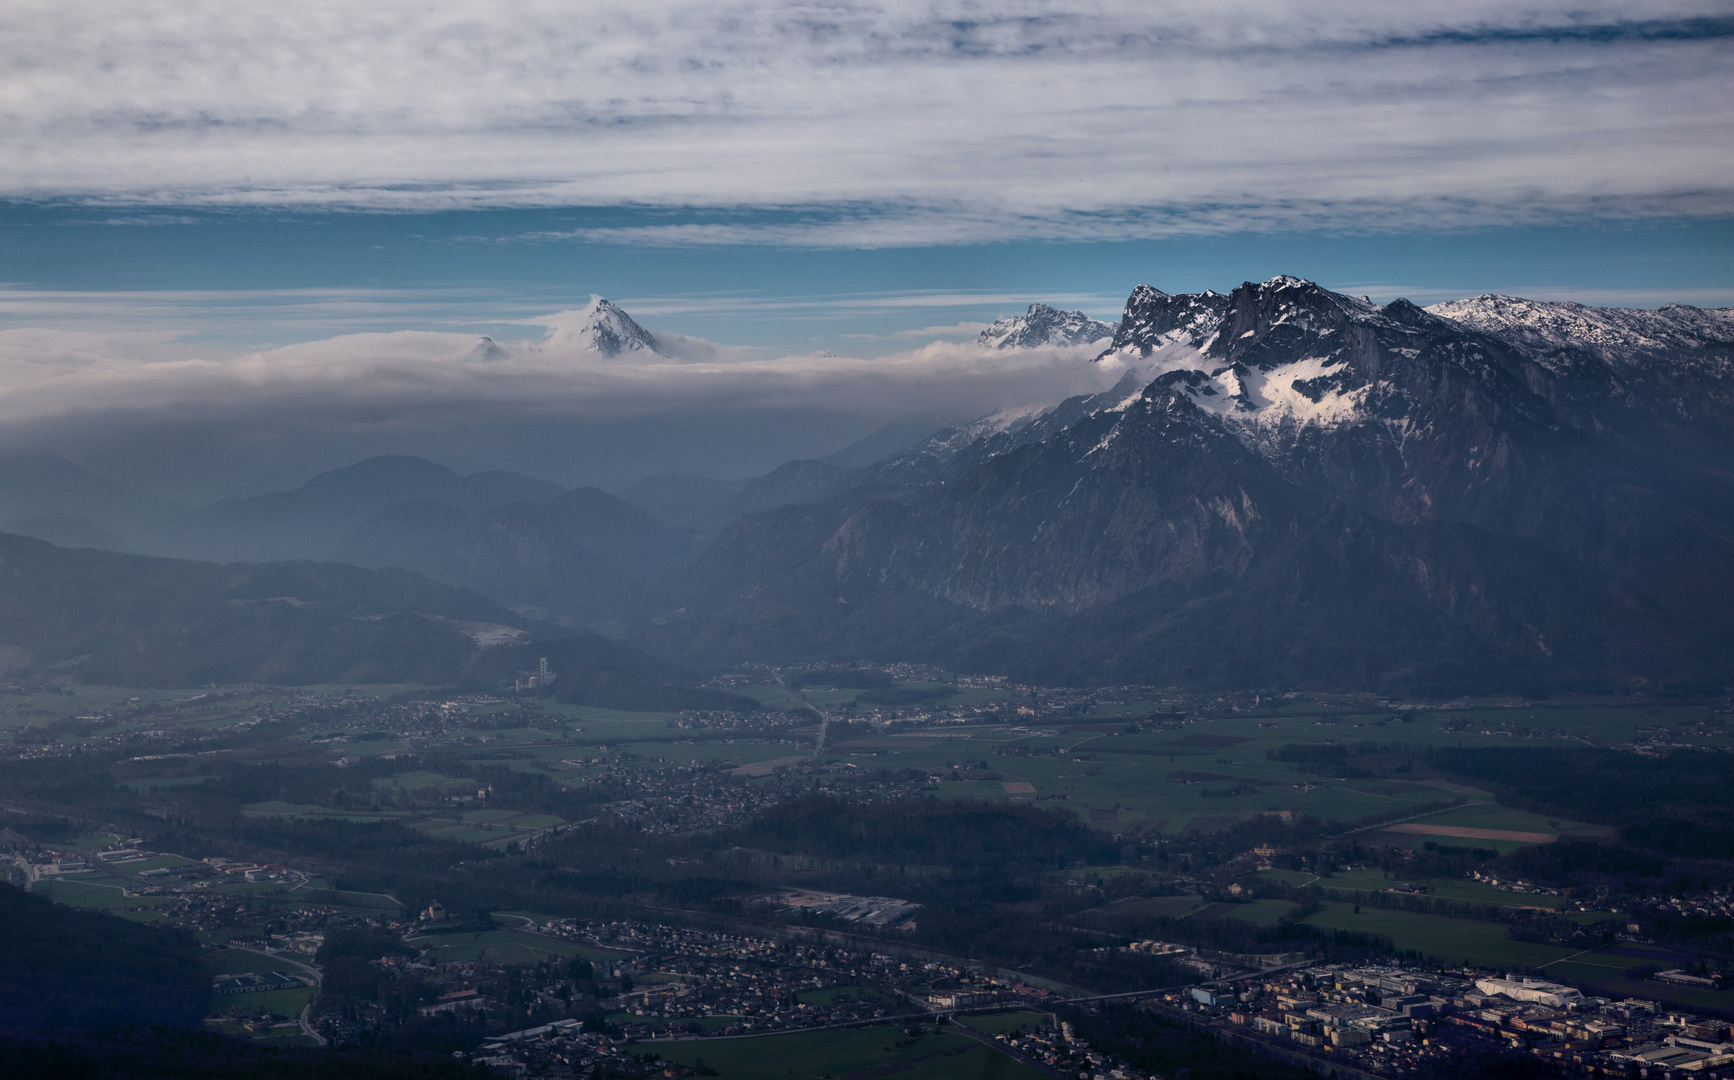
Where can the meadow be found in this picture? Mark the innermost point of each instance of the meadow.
(499, 946)
(878, 1050)
(1447, 940)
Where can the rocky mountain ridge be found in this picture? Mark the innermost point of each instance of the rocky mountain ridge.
(1374, 496)
(1044, 325)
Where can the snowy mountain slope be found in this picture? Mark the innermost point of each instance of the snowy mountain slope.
(1044, 325)
(1641, 372)
(1395, 487)
(1330, 389)
(1617, 336)
(602, 328)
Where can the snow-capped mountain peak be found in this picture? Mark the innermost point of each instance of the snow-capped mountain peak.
(604, 329)
(1044, 325)
(1612, 334)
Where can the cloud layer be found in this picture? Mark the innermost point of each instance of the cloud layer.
(392, 378)
(542, 406)
(868, 124)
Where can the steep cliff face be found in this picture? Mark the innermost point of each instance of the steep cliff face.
(1646, 373)
(1299, 463)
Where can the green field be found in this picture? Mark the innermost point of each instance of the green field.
(156, 862)
(1259, 912)
(489, 828)
(1480, 944)
(282, 1002)
(1156, 907)
(94, 895)
(1005, 1023)
(239, 961)
(839, 1052)
(1204, 774)
(1295, 878)
(498, 946)
(831, 995)
(774, 695)
(318, 891)
(1158, 780)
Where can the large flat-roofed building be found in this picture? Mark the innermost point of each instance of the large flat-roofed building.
(1533, 990)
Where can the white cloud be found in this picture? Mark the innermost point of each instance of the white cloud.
(408, 380)
(962, 329)
(855, 123)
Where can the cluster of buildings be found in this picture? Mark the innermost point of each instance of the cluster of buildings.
(563, 1048)
(254, 982)
(664, 798)
(1061, 1050)
(879, 911)
(669, 977)
(1392, 1021)
(1708, 904)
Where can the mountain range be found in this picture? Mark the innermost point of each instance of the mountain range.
(1044, 325)
(1289, 487)
(1286, 487)
(83, 616)
(43, 494)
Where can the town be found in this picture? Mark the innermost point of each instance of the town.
(549, 891)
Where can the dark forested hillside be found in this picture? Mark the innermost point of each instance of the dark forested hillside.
(63, 968)
(131, 620)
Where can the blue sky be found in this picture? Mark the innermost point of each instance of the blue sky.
(264, 277)
(242, 242)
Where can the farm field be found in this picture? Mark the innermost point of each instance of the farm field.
(1157, 907)
(837, 1053)
(1259, 912)
(1202, 775)
(497, 946)
(1004, 1023)
(103, 893)
(1451, 941)
(1468, 891)
(287, 1003)
(831, 995)
(237, 961)
(489, 828)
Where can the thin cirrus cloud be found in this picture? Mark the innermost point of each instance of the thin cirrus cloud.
(856, 124)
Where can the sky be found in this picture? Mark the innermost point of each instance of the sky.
(242, 242)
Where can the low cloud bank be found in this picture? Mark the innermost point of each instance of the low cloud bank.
(544, 405)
